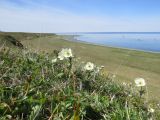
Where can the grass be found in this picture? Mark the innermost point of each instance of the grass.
(125, 64)
(24, 36)
(34, 87)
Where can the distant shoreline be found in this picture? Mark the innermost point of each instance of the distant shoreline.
(72, 38)
(76, 33)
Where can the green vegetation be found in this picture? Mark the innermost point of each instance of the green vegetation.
(24, 36)
(39, 86)
(13, 39)
(125, 64)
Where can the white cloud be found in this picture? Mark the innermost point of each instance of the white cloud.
(45, 19)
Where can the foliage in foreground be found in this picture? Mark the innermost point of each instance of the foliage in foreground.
(43, 87)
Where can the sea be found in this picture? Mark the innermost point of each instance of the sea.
(143, 41)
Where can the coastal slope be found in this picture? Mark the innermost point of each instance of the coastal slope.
(125, 64)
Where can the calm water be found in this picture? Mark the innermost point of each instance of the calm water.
(138, 41)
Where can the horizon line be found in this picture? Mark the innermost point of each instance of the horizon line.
(80, 32)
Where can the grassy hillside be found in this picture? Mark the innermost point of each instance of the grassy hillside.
(41, 86)
(14, 39)
(24, 36)
(125, 64)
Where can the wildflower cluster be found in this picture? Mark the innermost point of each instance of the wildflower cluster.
(46, 87)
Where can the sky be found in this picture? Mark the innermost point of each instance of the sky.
(80, 16)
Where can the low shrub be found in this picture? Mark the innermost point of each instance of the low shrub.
(59, 87)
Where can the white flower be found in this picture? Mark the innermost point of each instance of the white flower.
(151, 110)
(114, 76)
(97, 70)
(130, 95)
(60, 56)
(124, 84)
(54, 60)
(140, 82)
(65, 53)
(89, 66)
(102, 66)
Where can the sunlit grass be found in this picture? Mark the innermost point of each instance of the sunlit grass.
(126, 64)
(40, 86)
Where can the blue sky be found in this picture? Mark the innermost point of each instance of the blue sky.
(80, 15)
